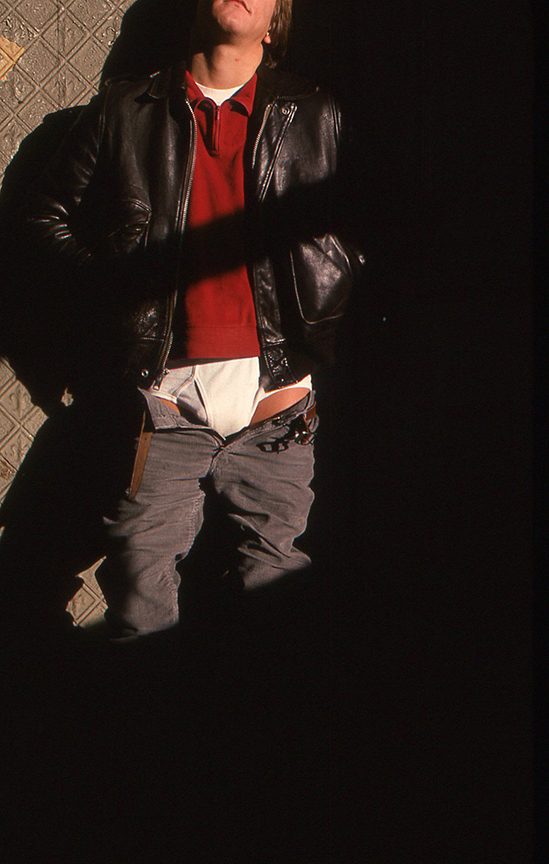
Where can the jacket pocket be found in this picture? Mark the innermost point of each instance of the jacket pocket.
(322, 279)
(127, 226)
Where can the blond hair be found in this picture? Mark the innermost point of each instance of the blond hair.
(279, 32)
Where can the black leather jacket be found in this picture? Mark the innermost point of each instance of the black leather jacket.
(113, 206)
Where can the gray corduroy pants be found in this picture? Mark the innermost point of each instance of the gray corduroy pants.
(261, 476)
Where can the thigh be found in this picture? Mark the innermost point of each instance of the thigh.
(161, 521)
(147, 535)
(263, 478)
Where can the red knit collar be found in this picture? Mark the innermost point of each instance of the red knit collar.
(244, 96)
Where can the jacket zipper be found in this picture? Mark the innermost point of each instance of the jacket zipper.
(266, 113)
(289, 117)
(181, 221)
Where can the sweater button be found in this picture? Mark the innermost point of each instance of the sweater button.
(285, 109)
(144, 373)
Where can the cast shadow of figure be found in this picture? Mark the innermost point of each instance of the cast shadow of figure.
(154, 34)
(51, 512)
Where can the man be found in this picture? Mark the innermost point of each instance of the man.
(188, 216)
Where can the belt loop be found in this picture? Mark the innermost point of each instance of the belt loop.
(141, 453)
(303, 434)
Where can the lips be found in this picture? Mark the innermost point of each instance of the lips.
(239, 3)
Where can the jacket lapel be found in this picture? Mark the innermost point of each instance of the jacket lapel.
(275, 103)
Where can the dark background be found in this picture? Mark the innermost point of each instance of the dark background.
(424, 472)
(421, 532)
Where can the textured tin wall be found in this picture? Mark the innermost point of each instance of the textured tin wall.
(51, 56)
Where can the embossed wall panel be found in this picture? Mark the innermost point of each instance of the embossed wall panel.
(51, 56)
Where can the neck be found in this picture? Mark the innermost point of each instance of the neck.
(225, 66)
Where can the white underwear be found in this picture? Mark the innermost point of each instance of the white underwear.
(221, 394)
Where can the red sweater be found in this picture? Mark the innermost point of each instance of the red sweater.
(215, 314)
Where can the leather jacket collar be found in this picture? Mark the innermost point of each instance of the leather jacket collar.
(274, 85)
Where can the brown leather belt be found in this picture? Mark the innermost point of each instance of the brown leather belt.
(171, 405)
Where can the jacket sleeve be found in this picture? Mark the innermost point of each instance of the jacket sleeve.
(49, 215)
(40, 305)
